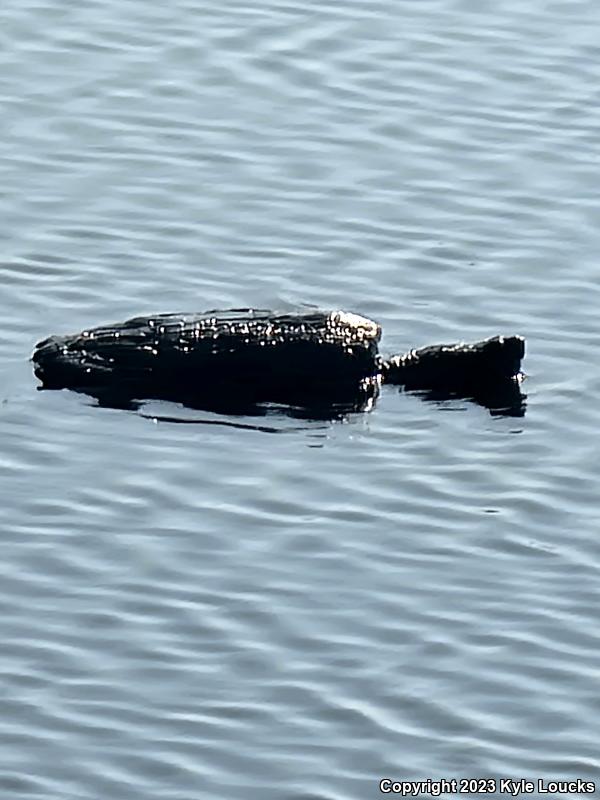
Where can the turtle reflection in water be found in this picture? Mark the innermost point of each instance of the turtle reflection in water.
(320, 362)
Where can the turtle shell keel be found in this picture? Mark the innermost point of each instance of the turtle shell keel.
(260, 355)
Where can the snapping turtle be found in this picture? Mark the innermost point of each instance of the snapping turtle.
(226, 359)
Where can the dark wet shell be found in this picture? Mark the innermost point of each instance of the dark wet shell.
(278, 355)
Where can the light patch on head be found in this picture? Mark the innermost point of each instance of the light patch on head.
(347, 318)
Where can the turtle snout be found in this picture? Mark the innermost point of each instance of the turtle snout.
(507, 353)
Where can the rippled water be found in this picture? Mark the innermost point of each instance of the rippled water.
(277, 608)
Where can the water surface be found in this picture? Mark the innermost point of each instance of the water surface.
(278, 608)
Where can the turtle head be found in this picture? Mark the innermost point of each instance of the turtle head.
(501, 355)
(457, 367)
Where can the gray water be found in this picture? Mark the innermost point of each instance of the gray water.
(275, 608)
